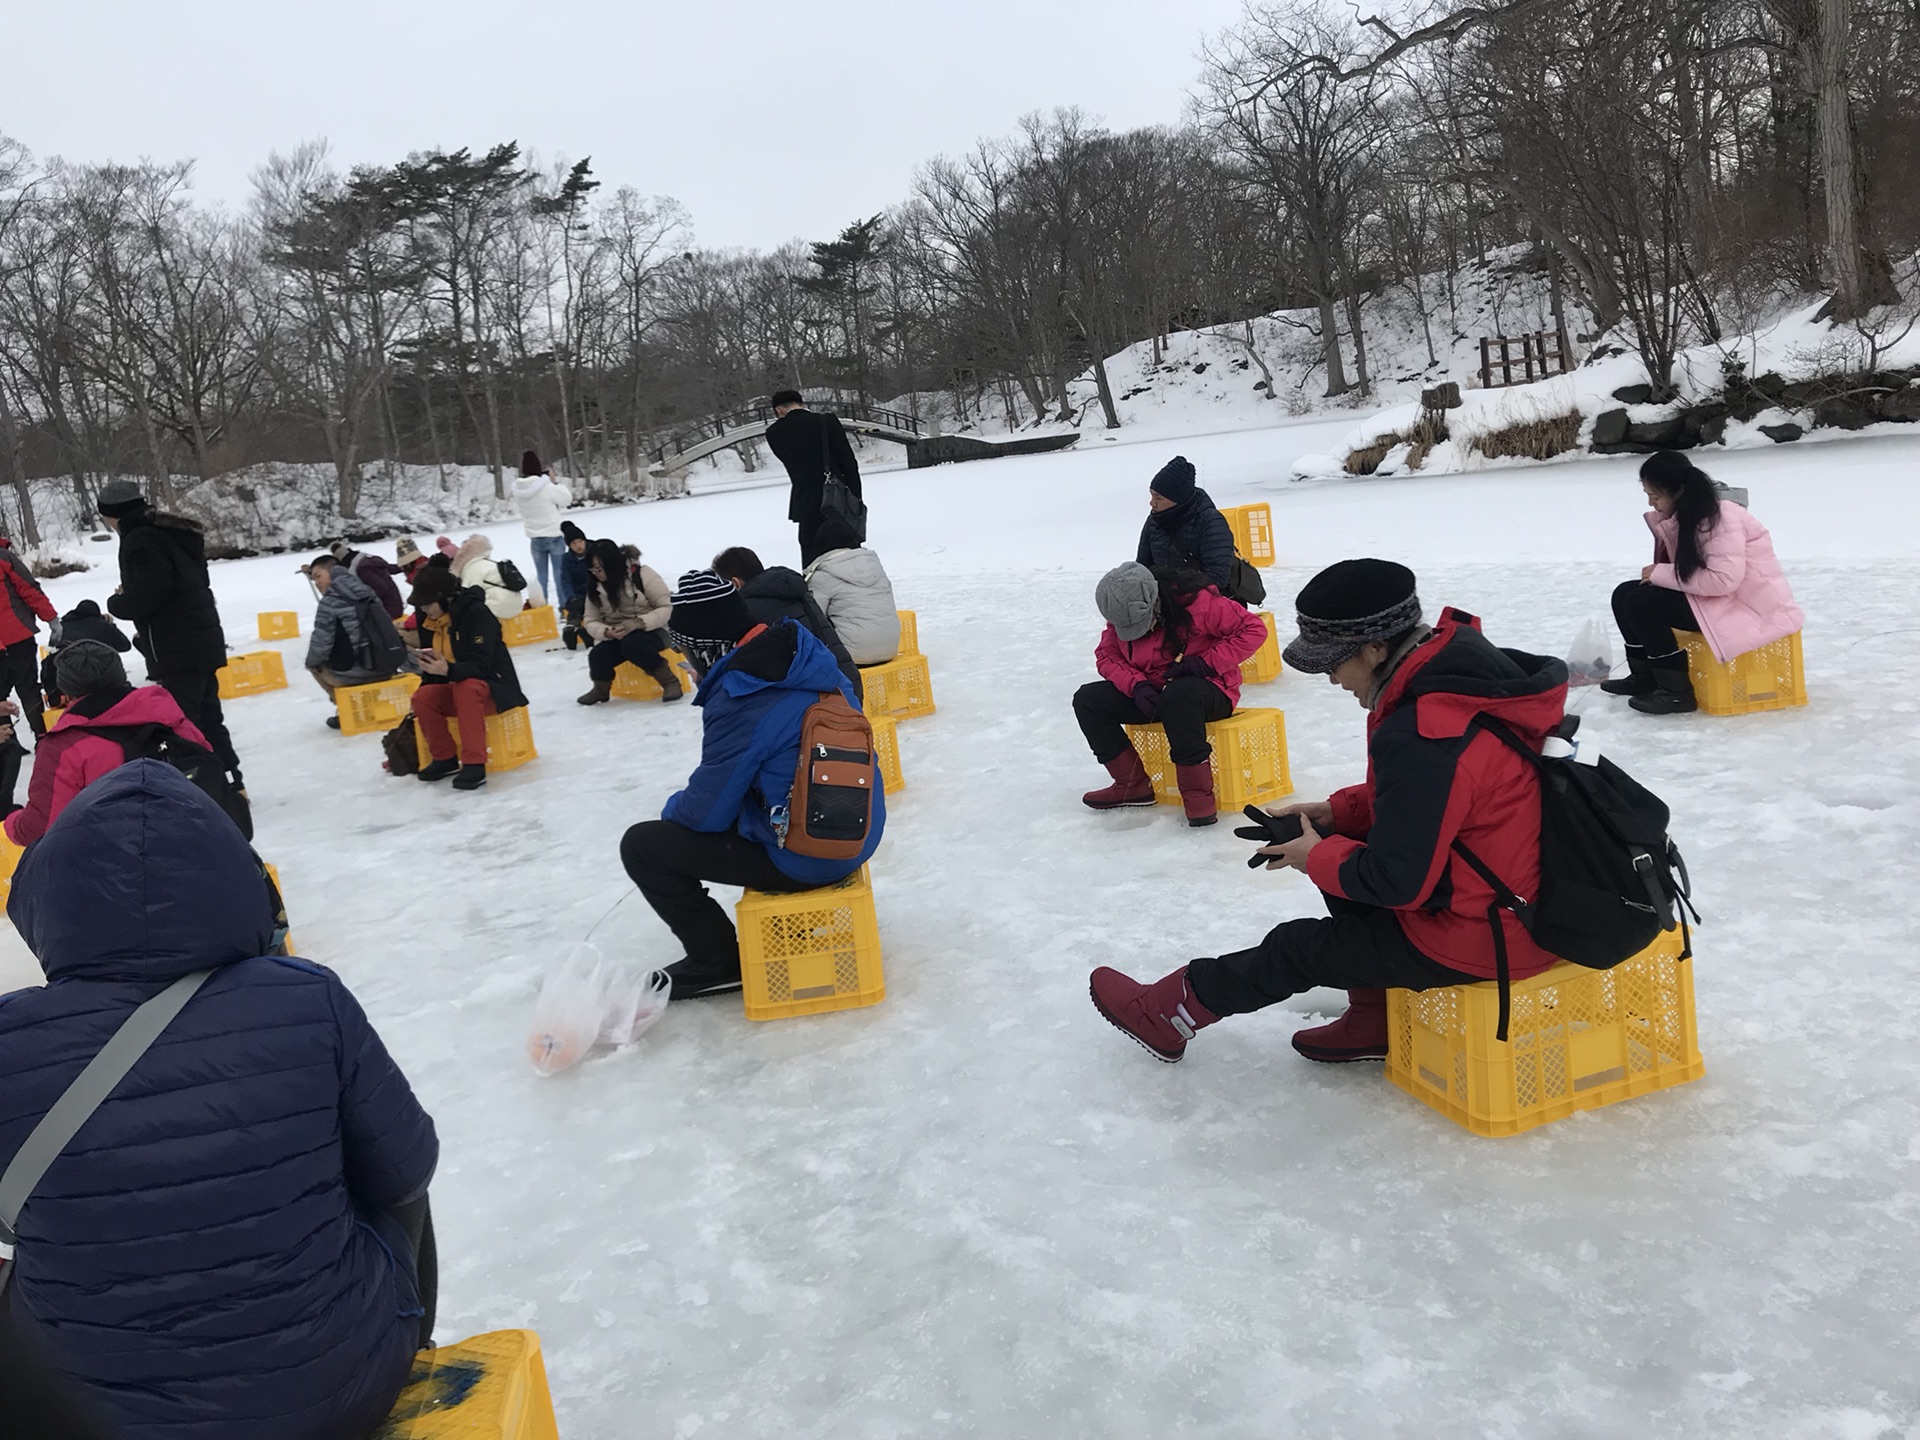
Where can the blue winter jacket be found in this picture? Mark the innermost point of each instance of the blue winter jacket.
(750, 747)
(212, 1256)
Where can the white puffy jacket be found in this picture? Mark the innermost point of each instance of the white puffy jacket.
(473, 562)
(540, 502)
(853, 589)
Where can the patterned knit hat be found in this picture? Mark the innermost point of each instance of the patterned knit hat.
(706, 607)
(1348, 606)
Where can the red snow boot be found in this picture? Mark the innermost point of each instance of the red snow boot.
(1196, 793)
(1360, 1034)
(1161, 1016)
(1130, 784)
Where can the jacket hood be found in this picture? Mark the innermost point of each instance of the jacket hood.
(474, 547)
(528, 486)
(183, 532)
(350, 587)
(141, 878)
(1457, 673)
(776, 583)
(148, 705)
(811, 668)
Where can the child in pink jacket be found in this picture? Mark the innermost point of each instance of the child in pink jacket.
(1170, 655)
(1713, 571)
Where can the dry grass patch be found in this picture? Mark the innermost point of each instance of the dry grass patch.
(1532, 439)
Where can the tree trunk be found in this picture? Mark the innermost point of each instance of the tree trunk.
(10, 442)
(1330, 349)
(1362, 378)
(1858, 284)
(1105, 387)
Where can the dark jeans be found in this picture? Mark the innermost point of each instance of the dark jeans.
(1647, 616)
(1186, 706)
(20, 673)
(198, 696)
(637, 647)
(667, 861)
(1360, 947)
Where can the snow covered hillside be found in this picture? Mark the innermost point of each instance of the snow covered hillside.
(975, 1209)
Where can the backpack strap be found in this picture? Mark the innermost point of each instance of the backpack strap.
(1503, 899)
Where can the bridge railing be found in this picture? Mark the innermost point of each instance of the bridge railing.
(715, 426)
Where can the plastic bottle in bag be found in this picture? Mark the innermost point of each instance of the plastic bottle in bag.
(1591, 659)
(567, 1016)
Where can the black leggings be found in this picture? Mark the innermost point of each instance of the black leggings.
(1186, 706)
(636, 647)
(1647, 616)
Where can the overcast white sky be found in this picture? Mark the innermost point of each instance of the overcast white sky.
(768, 121)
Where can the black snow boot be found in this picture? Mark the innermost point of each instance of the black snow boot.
(471, 777)
(1637, 681)
(1674, 695)
(436, 770)
(693, 978)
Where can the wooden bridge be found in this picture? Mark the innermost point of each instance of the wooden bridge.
(719, 432)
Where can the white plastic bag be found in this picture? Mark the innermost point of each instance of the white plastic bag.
(634, 999)
(1591, 659)
(590, 1001)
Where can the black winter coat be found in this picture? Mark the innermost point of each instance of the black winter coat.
(85, 622)
(479, 652)
(1193, 535)
(165, 592)
(805, 443)
(781, 594)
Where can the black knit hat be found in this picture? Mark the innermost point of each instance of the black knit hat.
(706, 607)
(86, 667)
(434, 585)
(1347, 606)
(1175, 480)
(530, 464)
(571, 532)
(119, 498)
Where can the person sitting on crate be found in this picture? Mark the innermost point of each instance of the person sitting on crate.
(573, 570)
(1187, 530)
(499, 581)
(776, 593)
(727, 827)
(851, 587)
(1406, 910)
(466, 672)
(375, 573)
(626, 618)
(1170, 656)
(1713, 571)
(83, 622)
(353, 641)
(235, 1242)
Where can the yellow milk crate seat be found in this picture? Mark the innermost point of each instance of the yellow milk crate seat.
(1252, 527)
(886, 753)
(810, 951)
(1249, 759)
(380, 705)
(630, 682)
(530, 627)
(252, 674)
(909, 632)
(1770, 678)
(902, 688)
(1577, 1039)
(492, 1387)
(509, 740)
(279, 625)
(1264, 664)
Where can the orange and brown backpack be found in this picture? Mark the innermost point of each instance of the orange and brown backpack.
(831, 809)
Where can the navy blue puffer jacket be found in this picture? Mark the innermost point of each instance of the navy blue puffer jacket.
(212, 1257)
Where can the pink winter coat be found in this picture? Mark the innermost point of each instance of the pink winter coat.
(1739, 594)
(69, 758)
(1223, 635)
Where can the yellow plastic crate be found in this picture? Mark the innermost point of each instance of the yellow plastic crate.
(530, 627)
(1770, 678)
(254, 673)
(279, 625)
(886, 750)
(1249, 759)
(10, 854)
(50, 717)
(630, 682)
(909, 632)
(509, 740)
(1252, 527)
(379, 706)
(492, 1387)
(810, 952)
(902, 688)
(1578, 1039)
(1264, 664)
(273, 874)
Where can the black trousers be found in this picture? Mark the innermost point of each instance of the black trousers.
(20, 673)
(1358, 947)
(809, 542)
(1186, 706)
(197, 693)
(637, 647)
(1647, 616)
(667, 861)
(416, 1218)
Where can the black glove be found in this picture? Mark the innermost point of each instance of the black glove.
(1269, 830)
(1146, 700)
(1194, 667)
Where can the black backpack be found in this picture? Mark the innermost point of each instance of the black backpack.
(1243, 580)
(510, 575)
(196, 762)
(1610, 878)
(386, 652)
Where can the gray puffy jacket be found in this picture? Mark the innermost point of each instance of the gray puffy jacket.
(852, 588)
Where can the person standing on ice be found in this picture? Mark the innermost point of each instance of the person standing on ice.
(812, 447)
(1405, 911)
(1185, 528)
(1713, 571)
(1170, 656)
(26, 606)
(727, 826)
(540, 498)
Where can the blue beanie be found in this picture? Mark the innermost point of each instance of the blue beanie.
(1175, 480)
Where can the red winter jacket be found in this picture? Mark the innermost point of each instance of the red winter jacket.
(1428, 784)
(24, 600)
(70, 757)
(1223, 635)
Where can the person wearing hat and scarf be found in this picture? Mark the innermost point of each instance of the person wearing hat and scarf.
(1185, 528)
(1170, 656)
(1405, 911)
(726, 827)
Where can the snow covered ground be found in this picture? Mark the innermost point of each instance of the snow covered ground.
(977, 1210)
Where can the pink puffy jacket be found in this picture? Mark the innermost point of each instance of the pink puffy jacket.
(1739, 594)
(70, 757)
(1223, 635)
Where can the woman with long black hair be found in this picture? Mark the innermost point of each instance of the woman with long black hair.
(1713, 571)
(626, 617)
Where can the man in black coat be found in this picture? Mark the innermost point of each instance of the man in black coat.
(810, 446)
(1186, 530)
(165, 591)
(777, 594)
